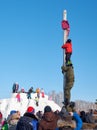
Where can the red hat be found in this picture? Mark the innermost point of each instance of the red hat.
(30, 109)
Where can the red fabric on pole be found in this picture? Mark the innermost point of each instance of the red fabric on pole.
(65, 25)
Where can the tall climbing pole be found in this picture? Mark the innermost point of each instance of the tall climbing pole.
(64, 35)
(64, 40)
(67, 80)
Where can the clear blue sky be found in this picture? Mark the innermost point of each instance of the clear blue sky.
(30, 45)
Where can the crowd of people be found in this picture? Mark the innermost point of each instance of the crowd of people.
(65, 119)
(47, 120)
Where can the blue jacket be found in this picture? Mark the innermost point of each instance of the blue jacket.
(27, 121)
(78, 120)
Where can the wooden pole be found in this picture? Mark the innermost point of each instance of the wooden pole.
(64, 35)
(64, 40)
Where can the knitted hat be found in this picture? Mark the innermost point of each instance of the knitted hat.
(68, 40)
(30, 109)
(47, 109)
(12, 112)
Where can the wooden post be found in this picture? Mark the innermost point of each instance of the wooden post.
(64, 35)
(64, 40)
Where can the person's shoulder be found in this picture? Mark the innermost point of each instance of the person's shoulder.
(30, 115)
(57, 116)
(25, 119)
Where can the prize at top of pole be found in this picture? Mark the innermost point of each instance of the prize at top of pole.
(64, 15)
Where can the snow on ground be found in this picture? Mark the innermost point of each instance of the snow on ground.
(6, 105)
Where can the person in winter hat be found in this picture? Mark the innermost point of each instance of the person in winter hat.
(42, 93)
(38, 92)
(31, 90)
(49, 119)
(28, 121)
(65, 119)
(15, 88)
(13, 119)
(18, 97)
(11, 113)
(69, 82)
(68, 51)
(37, 101)
(39, 115)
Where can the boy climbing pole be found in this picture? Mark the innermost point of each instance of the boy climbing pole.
(68, 51)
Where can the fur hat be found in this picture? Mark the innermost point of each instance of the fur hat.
(30, 109)
(47, 109)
